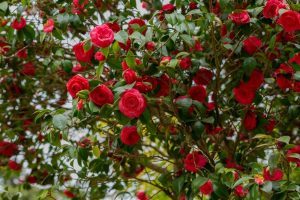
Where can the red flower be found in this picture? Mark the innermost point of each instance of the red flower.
(206, 188)
(141, 195)
(80, 105)
(250, 121)
(129, 76)
(22, 53)
(31, 179)
(194, 161)
(193, 5)
(270, 125)
(139, 22)
(102, 36)
(164, 83)
(276, 175)
(99, 56)
(223, 30)
(76, 84)
(233, 165)
(240, 18)
(240, 191)
(126, 46)
(197, 46)
(283, 83)
(145, 5)
(78, 68)
(203, 76)
(256, 79)
(150, 46)
(113, 26)
(28, 69)
(198, 93)
(101, 95)
(49, 26)
(185, 63)
(129, 135)
(13, 165)
(285, 37)
(4, 48)
(295, 59)
(294, 150)
(18, 25)
(168, 8)
(69, 194)
(272, 7)
(145, 84)
(132, 103)
(244, 94)
(82, 55)
(290, 21)
(296, 86)
(284, 69)
(252, 44)
(80, 4)
(165, 60)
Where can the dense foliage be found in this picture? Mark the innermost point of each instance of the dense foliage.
(150, 100)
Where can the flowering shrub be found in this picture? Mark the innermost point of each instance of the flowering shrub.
(179, 100)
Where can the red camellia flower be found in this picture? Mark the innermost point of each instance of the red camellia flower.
(28, 69)
(285, 37)
(240, 191)
(31, 179)
(13, 165)
(76, 84)
(290, 21)
(78, 68)
(194, 161)
(185, 63)
(150, 46)
(197, 46)
(233, 165)
(252, 44)
(206, 188)
(137, 21)
(270, 125)
(22, 54)
(256, 79)
(4, 48)
(283, 83)
(69, 194)
(126, 46)
(101, 95)
(141, 195)
(168, 8)
(99, 56)
(80, 4)
(198, 93)
(250, 121)
(244, 94)
(129, 135)
(145, 84)
(193, 5)
(129, 76)
(203, 76)
(80, 104)
(295, 59)
(113, 26)
(144, 5)
(240, 18)
(82, 55)
(49, 26)
(102, 36)
(164, 83)
(18, 25)
(165, 60)
(132, 103)
(294, 150)
(272, 7)
(276, 175)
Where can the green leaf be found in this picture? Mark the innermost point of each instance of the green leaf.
(3, 6)
(57, 34)
(267, 187)
(241, 180)
(105, 51)
(272, 42)
(297, 76)
(249, 64)
(178, 184)
(173, 63)
(87, 45)
(93, 107)
(182, 54)
(285, 139)
(60, 121)
(99, 70)
(197, 182)
(83, 94)
(133, 3)
(188, 39)
(106, 110)
(193, 12)
(198, 127)
(96, 151)
(121, 36)
(130, 60)
(184, 102)
(209, 120)
(171, 18)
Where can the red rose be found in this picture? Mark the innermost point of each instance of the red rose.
(129, 135)
(290, 21)
(276, 175)
(250, 121)
(295, 59)
(185, 63)
(102, 36)
(203, 76)
(76, 84)
(141, 195)
(18, 25)
(240, 191)
(28, 69)
(132, 103)
(194, 161)
(272, 7)
(69, 194)
(113, 26)
(283, 83)
(126, 46)
(100, 56)
(22, 54)
(198, 93)
(49, 26)
(150, 46)
(252, 44)
(101, 95)
(244, 94)
(13, 165)
(164, 83)
(240, 18)
(256, 79)
(206, 188)
(137, 21)
(129, 76)
(78, 68)
(294, 150)
(168, 8)
(82, 55)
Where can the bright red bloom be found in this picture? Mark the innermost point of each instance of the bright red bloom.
(132, 103)
(290, 21)
(126, 46)
(4, 48)
(283, 83)
(150, 46)
(198, 93)
(129, 135)
(13, 165)
(296, 86)
(168, 8)
(203, 76)
(146, 84)
(129, 76)
(28, 69)
(18, 25)
(240, 191)
(102, 36)
(197, 46)
(80, 104)
(22, 54)
(164, 83)
(185, 63)
(270, 125)
(82, 55)
(69, 194)
(252, 44)
(164, 60)
(285, 37)
(294, 150)
(193, 5)
(276, 175)
(244, 94)
(272, 7)
(49, 26)
(233, 165)
(295, 59)
(113, 26)
(206, 188)
(78, 68)
(80, 4)
(101, 95)
(141, 195)
(240, 18)
(137, 21)
(194, 161)
(76, 84)
(31, 179)
(99, 56)
(250, 121)
(256, 79)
